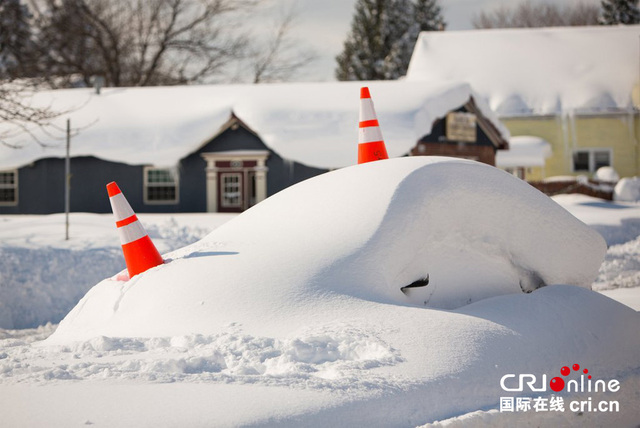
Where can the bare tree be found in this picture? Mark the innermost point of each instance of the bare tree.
(528, 14)
(500, 17)
(136, 42)
(280, 56)
(63, 43)
(582, 14)
(19, 116)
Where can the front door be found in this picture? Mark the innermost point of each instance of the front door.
(232, 195)
(236, 180)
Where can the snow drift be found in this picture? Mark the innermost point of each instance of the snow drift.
(295, 307)
(346, 241)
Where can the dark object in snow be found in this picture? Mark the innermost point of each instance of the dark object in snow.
(415, 284)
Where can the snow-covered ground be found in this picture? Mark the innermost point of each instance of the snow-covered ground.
(309, 336)
(42, 275)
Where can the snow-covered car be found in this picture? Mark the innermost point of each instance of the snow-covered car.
(303, 302)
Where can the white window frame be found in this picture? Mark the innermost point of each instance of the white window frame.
(13, 185)
(592, 158)
(223, 202)
(147, 185)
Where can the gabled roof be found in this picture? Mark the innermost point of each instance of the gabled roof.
(536, 71)
(311, 123)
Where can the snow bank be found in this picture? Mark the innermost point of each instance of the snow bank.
(358, 234)
(621, 267)
(619, 224)
(43, 276)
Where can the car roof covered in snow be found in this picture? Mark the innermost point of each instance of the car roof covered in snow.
(536, 71)
(311, 123)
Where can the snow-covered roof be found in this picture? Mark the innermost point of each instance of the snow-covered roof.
(524, 151)
(536, 71)
(311, 123)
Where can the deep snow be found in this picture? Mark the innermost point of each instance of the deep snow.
(42, 276)
(316, 351)
(397, 221)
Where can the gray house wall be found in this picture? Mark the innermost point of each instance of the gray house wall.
(41, 184)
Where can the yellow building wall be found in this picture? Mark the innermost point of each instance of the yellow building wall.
(620, 132)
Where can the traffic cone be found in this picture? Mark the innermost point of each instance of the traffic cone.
(139, 252)
(370, 143)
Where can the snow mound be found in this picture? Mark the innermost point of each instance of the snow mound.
(347, 241)
(621, 267)
(627, 190)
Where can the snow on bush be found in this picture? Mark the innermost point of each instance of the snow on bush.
(606, 174)
(627, 190)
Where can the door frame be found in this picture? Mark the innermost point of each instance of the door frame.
(249, 163)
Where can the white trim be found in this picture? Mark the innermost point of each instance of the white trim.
(10, 186)
(592, 159)
(146, 185)
(237, 155)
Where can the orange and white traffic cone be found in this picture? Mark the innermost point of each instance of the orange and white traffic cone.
(370, 143)
(139, 252)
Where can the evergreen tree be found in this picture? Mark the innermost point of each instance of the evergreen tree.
(400, 33)
(616, 12)
(15, 37)
(382, 37)
(429, 15)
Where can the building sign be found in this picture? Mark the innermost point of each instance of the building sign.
(461, 127)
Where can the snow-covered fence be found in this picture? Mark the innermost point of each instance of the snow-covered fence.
(590, 187)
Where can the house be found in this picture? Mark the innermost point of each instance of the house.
(220, 148)
(576, 88)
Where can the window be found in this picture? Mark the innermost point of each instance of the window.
(160, 186)
(589, 160)
(8, 188)
(232, 189)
